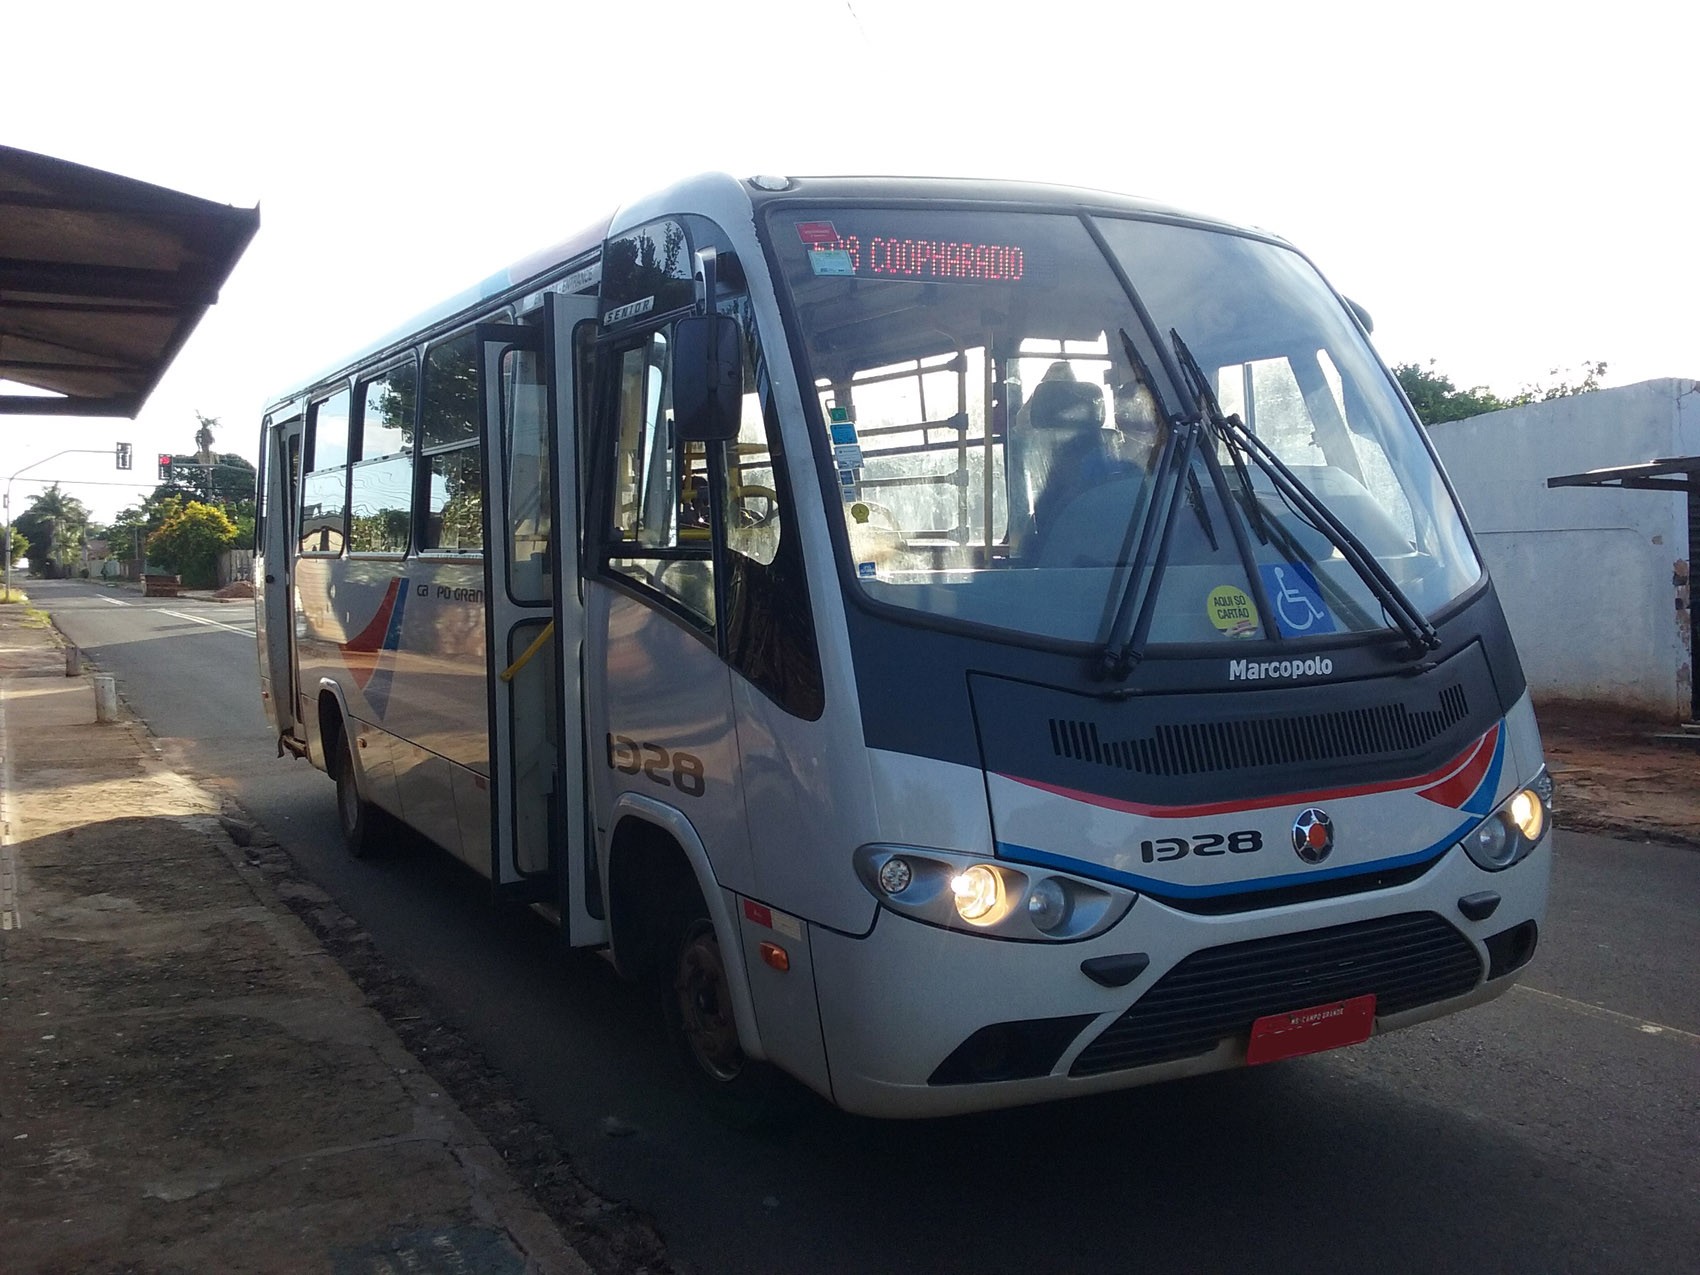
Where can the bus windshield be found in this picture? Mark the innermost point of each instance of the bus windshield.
(996, 406)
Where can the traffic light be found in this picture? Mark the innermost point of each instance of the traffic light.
(123, 455)
(165, 467)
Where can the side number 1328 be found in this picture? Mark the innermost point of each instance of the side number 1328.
(670, 769)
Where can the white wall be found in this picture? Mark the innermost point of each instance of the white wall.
(1594, 580)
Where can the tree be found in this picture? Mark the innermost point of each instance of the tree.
(227, 480)
(1437, 399)
(204, 438)
(20, 546)
(190, 541)
(1537, 393)
(57, 523)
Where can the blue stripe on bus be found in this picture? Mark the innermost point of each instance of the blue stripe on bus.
(1157, 888)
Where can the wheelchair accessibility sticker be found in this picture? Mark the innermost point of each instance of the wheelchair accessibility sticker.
(1295, 599)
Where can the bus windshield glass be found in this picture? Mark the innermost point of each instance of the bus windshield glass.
(996, 407)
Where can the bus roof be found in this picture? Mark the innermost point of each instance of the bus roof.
(714, 188)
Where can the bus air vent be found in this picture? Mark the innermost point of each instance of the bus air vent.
(1405, 961)
(1191, 748)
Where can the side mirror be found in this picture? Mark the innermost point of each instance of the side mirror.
(1363, 315)
(708, 378)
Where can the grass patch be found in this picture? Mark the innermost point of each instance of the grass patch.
(15, 595)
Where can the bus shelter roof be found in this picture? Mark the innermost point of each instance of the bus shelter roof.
(102, 279)
(1671, 473)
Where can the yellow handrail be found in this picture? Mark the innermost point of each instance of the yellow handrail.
(533, 649)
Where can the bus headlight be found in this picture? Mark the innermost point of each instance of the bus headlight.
(960, 892)
(978, 893)
(1047, 904)
(1507, 835)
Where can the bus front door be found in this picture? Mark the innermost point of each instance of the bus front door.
(539, 848)
(274, 607)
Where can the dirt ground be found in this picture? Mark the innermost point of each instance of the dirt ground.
(1613, 773)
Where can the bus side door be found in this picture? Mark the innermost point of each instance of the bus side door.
(274, 598)
(534, 615)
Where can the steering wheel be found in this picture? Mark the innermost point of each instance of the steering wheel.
(747, 517)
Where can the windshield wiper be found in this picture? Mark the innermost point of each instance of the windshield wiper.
(1231, 430)
(1169, 490)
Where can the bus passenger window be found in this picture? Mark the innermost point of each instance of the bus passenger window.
(324, 490)
(381, 477)
(450, 449)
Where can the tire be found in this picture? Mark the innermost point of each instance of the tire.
(356, 819)
(697, 1004)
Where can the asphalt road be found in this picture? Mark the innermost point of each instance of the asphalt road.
(1555, 1129)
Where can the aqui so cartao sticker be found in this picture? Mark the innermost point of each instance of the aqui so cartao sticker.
(1295, 599)
(1232, 611)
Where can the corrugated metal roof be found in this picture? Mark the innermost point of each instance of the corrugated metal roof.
(102, 278)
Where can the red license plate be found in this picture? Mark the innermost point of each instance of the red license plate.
(1310, 1031)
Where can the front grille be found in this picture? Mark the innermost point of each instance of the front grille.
(1191, 748)
(1405, 961)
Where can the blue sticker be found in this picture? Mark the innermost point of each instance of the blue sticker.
(843, 434)
(867, 570)
(1295, 599)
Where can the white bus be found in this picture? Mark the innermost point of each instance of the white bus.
(967, 643)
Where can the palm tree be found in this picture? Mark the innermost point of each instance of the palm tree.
(204, 438)
(63, 521)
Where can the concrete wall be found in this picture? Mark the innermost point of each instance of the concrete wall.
(1594, 580)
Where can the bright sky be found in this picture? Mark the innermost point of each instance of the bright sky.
(1507, 188)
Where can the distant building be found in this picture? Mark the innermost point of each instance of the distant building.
(1594, 577)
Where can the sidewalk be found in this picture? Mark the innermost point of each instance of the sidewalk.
(188, 1082)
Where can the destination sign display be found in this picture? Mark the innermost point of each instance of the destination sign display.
(898, 256)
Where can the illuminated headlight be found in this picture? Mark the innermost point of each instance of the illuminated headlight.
(963, 893)
(1509, 833)
(978, 893)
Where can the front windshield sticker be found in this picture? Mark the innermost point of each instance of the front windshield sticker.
(1299, 608)
(1232, 611)
(831, 261)
(631, 311)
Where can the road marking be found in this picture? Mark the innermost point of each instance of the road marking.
(114, 602)
(216, 624)
(1610, 1015)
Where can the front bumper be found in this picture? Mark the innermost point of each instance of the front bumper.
(900, 1003)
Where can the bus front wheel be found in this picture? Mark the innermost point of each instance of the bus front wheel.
(354, 816)
(697, 997)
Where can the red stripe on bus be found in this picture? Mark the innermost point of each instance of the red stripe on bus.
(1433, 781)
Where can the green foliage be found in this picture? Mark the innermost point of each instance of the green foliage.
(1437, 399)
(1537, 393)
(227, 480)
(20, 546)
(56, 523)
(189, 542)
